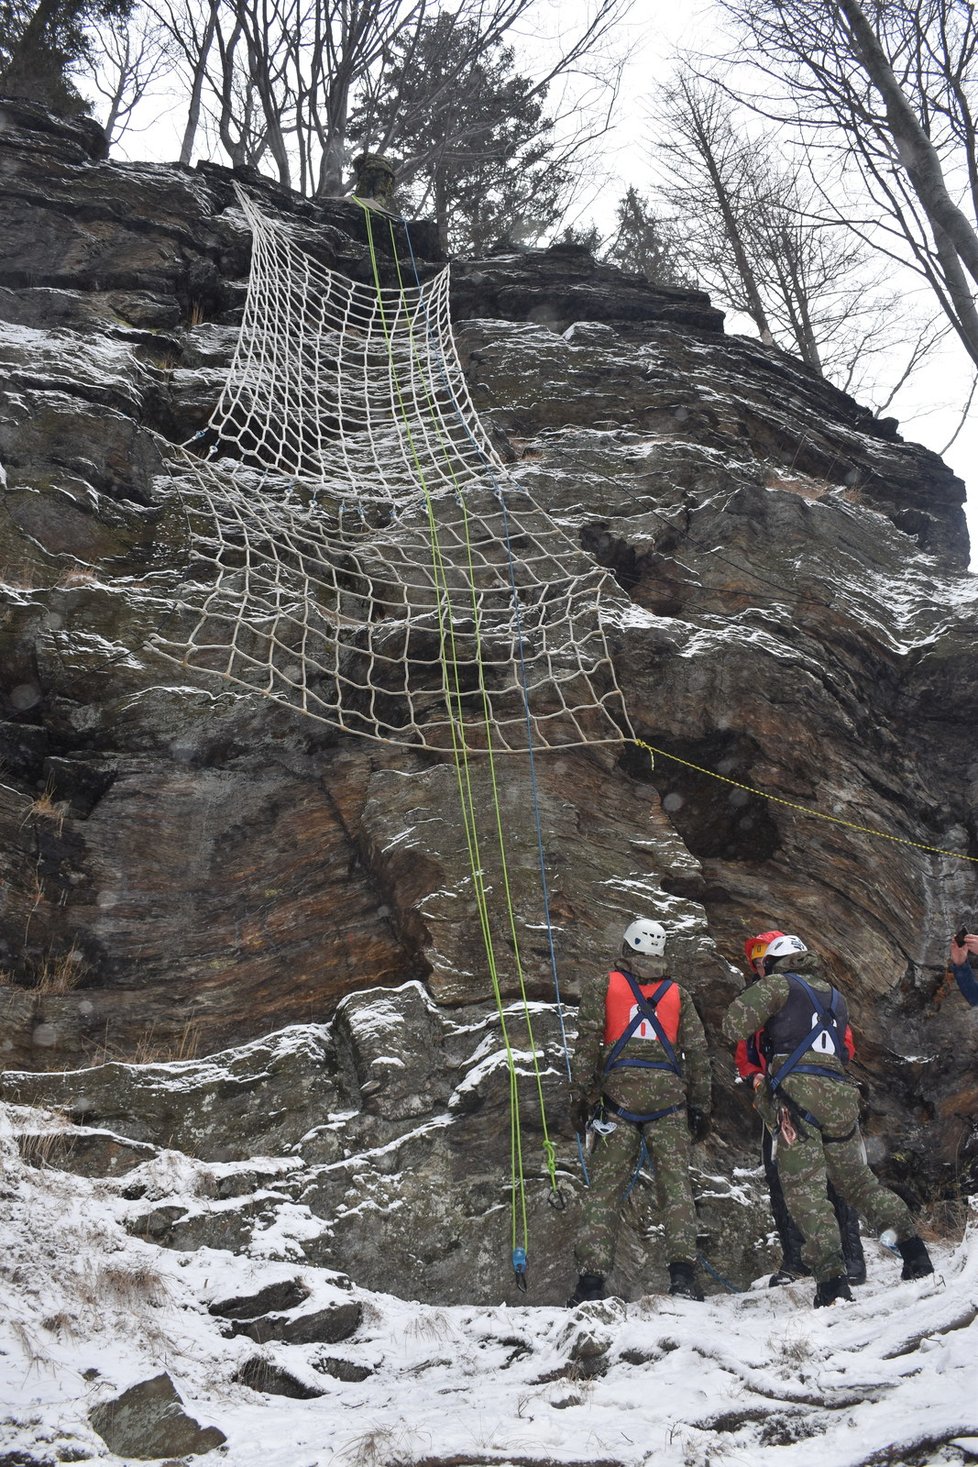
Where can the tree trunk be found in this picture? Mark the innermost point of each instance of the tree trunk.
(917, 153)
(755, 306)
(196, 91)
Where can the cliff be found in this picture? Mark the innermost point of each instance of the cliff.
(274, 916)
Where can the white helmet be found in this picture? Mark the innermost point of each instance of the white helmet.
(645, 937)
(784, 947)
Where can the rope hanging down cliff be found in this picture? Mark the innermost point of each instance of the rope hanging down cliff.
(354, 534)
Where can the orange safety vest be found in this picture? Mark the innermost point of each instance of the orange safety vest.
(620, 1008)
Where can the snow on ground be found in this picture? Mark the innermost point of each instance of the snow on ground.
(757, 1378)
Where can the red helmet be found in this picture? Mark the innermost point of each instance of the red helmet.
(756, 947)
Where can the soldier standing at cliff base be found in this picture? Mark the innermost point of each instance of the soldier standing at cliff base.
(640, 1072)
(810, 1102)
(751, 1062)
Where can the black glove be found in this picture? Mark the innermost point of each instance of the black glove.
(579, 1113)
(699, 1124)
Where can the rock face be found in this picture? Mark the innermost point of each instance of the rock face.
(185, 870)
(148, 1420)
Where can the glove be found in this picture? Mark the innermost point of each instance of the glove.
(579, 1113)
(699, 1124)
(766, 1105)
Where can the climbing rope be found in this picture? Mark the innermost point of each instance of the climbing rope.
(461, 752)
(899, 840)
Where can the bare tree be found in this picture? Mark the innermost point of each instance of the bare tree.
(128, 57)
(710, 188)
(889, 88)
(283, 78)
(754, 232)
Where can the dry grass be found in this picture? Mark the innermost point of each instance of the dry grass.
(61, 974)
(64, 1324)
(46, 1146)
(21, 577)
(382, 1446)
(152, 1049)
(77, 576)
(130, 1285)
(46, 807)
(34, 1353)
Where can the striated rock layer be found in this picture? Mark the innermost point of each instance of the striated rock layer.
(185, 869)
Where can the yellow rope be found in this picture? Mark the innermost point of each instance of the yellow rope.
(899, 840)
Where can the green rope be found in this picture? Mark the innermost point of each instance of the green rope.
(452, 690)
(549, 1150)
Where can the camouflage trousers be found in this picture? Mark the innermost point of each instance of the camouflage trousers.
(835, 1153)
(610, 1168)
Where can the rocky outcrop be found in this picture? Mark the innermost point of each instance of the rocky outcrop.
(185, 870)
(376, 1147)
(148, 1420)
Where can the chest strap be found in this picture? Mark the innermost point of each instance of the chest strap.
(644, 1013)
(826, 1023)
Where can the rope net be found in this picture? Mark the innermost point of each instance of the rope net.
(358, 550)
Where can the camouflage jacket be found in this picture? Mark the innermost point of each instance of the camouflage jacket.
(636, 1089)
(832, 1101)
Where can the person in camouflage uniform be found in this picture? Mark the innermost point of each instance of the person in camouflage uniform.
(811, 1106)
(750, 1062)
(640, 1072)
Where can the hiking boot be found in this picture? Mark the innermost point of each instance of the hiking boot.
(856, 1271)
(682, 1281)
(832, 1291)
(785, 1276)
(589, 1286)
(916, 1259)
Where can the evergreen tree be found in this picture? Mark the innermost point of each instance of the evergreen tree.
(42, 42)
(646, 246)
(475, 146)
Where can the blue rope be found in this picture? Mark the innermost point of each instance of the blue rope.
(643, 1158)
(720, 1278)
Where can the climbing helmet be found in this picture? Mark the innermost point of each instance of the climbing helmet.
(645, 937)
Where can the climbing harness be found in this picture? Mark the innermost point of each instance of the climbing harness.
(643, 1015)
(825, 1024)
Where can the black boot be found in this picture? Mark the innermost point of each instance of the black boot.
(916, 1259)
(589, 1286)
(830, 1291)
(682, 1281)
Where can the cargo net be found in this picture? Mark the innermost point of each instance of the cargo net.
(358, 551)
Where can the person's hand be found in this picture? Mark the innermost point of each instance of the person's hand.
(963, 943)
(699, 1124)
(579, 1113)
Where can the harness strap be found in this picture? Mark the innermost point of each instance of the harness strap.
(644, 1013)
(639, 1118)
(826, 1023)
(801, 1114)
